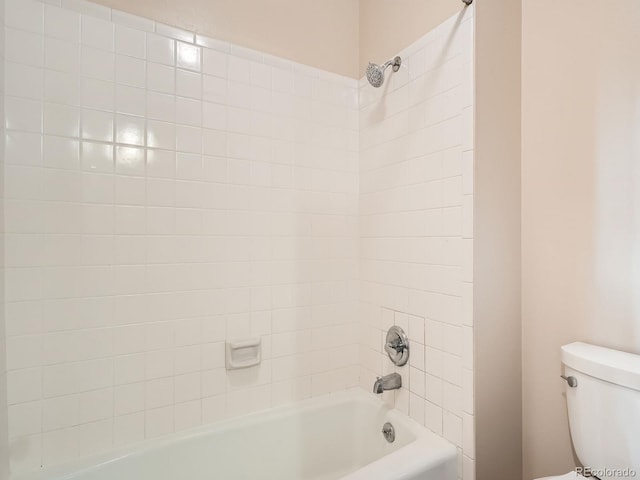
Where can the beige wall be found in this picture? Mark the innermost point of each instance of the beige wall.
(496, 266)
(340, 36)
(388, 26)
(323, 34)
(580, 201)
(4, 444)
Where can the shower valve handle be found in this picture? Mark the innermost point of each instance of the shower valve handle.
(394, 347)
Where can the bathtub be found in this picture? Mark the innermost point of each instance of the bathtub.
(335, 437)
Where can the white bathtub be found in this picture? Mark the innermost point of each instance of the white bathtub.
(335, 437)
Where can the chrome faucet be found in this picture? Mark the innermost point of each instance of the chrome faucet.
(393, 381)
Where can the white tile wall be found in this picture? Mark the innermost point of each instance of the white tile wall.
(166, 191)
(163, 196)
(416, 229)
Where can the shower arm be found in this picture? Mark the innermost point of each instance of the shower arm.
(395, 63)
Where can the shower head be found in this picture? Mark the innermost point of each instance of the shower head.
(375, 73)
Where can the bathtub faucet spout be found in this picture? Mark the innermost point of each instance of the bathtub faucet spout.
(393, 381)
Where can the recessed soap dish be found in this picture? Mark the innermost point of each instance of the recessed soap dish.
(243, 353)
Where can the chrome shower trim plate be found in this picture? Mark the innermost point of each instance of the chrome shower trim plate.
(397, 346)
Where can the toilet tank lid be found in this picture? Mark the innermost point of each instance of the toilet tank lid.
(614, 366)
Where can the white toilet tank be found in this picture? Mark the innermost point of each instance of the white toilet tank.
(604, 409)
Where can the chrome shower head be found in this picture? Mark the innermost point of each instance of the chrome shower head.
(375, 73)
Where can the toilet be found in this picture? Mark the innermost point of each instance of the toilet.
(603, 401)
(566, 476)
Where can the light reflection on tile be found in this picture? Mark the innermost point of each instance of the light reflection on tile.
(130, 160)
(189, 56)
